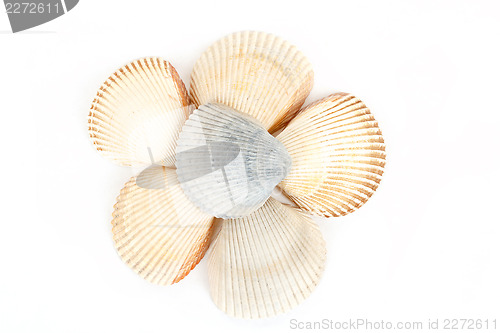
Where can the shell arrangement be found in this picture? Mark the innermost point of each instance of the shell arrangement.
(217, 153)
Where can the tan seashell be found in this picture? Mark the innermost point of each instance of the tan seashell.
(338, 156)
(138, 113)
(256, 73)
(267, 262)
(157, 231)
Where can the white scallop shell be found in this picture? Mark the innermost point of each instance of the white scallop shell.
(256, 73)
(265, 263)
(138, 112)
(227, 163)
(338, 155)
(157, 231)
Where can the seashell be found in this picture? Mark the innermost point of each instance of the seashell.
(138, 112)
(265, 263)
(255, 73)
(159, 233)
(338, 155)
(227, 163)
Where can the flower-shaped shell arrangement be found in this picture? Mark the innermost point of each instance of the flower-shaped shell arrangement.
(218, 152)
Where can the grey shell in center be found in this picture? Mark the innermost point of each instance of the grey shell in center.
(227, 163)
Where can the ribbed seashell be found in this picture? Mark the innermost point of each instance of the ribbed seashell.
(227, 163)
(338, 155)
(265, 263)
(138, 112)
(157, 231)
(256, 73)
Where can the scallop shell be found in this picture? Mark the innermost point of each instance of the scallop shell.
(265, 263)
(227, 163)
(256, 73)
(159, 233)
(338, 155)
(138, 112)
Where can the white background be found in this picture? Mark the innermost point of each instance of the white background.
(426, 245)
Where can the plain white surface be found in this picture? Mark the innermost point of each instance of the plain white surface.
(425, 246)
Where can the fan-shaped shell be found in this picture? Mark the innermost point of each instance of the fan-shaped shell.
(157, 231)
(265, 263)
(338, 155)
(138, 112)
(227, 163)
(255, 73)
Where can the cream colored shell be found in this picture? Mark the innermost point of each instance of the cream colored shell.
(138, 113)
(256, 73)
(265, 263)
(338, 156)
(157, 231)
